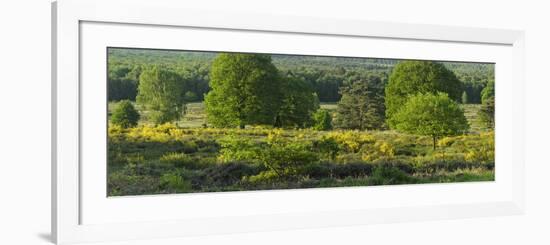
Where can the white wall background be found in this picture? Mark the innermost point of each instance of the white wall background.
(25, 122)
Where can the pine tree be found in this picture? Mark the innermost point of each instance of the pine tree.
(362, 105)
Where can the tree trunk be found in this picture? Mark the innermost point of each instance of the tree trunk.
(435, 141)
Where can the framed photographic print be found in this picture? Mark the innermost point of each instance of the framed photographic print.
(171, 125)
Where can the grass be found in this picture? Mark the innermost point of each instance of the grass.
(185, 157)
(329, 106)
(196, 116)
(172, 159)
(471, 113)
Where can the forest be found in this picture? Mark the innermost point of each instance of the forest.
(195, 121)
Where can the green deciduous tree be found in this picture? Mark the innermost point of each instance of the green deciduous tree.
(122, 82)
(434, 115)
(298, 104)
(121, 89)
(322, 120)
(412, 77)
(124, 114)
(161, 92)
(245, 89)
(362, 104)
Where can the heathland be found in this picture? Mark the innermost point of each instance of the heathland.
(182, 122)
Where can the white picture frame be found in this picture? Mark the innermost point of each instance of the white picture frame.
(74, 20)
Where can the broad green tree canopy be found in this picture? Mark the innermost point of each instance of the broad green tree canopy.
(245, 89)
(160, 91)
(434, 115)
(409, 78)
(298, 104)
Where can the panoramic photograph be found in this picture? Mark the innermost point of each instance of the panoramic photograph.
(200, 121)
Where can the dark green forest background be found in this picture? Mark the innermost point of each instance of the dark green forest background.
(326, 74)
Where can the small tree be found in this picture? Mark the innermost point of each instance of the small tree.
(161, 92)
(434, 115)
(322, 120)
(125, 115)
(465, 98)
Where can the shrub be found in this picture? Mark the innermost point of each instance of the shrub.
(480, 148)
(403, 166)
(351, 141)
(317, 170)
(380, 150)
(122, 184)
(265, 177)
(286, 159)
(173, 182)
(461, 175)
(446, 141)
(327, 147)
(345, 158)
(482, 155)
(161, 133)
(234, 148)
(322, 120)
(229, 173)
(433, 167)
(355, 170)
(389, 175)
(125, 115)
(178, 159)
(282, 156)
(190, 146)
(168, 159)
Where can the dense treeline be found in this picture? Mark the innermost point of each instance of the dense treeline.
(325, 74)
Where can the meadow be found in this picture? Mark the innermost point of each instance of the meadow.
(183, 157)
